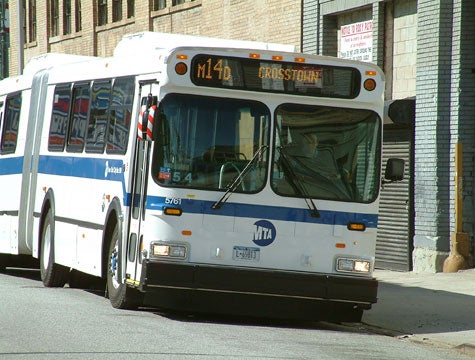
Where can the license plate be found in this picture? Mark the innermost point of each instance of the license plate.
(246, 253)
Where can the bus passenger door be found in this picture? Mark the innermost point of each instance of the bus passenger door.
(137, 211)
(139, 175)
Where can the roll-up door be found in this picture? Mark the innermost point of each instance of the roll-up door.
(394, 240)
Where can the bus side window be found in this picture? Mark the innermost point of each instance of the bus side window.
(78, 123)
(96, 128)
(59, 118)
(10, 124)
(120, 113)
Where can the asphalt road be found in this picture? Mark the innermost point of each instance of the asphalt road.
(45, 323)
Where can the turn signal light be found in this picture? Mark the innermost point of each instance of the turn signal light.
(356, 226)
(172, 211)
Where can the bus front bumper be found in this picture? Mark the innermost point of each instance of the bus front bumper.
(191, 286)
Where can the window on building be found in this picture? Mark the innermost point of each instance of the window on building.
(177, 2)
(23, 25)
(101, 12)
(130, 9)
(31, 20)
(78, 15)
(67, 17)
(159, 4)
(54, 18)
(116, 10)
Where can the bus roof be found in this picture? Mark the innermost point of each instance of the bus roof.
(13, 84)
(148, 41)
(48, 60)
(102, 68)
(35, 64)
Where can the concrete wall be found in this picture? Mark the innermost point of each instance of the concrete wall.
(310, 11)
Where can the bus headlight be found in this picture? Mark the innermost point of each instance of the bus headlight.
(169, 250)
(362, 266)
(353, 265)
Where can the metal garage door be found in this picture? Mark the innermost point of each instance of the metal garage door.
(394, 241)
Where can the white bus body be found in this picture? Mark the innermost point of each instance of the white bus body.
(159, 217)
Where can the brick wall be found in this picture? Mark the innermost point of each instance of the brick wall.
(432, 139)
(404, 49)
(462, 108)
(378, 33)
(266, 20)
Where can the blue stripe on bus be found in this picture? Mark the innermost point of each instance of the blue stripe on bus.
(112, 170)
(267, 212)
(11, 166)
(90, 168)
(99, 169)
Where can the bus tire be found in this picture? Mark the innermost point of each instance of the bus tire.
(52, 275)
(349, 314)
(354, 315)
(3, 262)
(120, 296)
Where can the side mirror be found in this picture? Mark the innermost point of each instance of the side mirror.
(394, 170)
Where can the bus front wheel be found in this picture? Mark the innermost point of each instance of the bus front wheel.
(52, 275)
(3, 262)
(120, 296)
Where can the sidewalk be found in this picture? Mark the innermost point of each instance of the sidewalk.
(428, 308)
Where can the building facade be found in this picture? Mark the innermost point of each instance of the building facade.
(425, 47)
(93, 27)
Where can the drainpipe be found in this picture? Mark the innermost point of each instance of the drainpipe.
(459, 244)
(21, 38)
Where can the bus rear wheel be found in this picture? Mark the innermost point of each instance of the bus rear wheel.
(52, 275)
(120, 296)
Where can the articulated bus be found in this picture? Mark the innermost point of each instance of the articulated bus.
(198, 174)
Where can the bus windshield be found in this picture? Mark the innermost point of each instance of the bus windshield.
(326, 153)
(206, 142)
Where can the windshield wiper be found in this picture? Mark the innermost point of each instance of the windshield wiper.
(233, 184)
(296, 183)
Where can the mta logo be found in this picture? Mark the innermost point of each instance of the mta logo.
(264, 233)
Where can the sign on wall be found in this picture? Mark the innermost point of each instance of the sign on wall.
(356, 41)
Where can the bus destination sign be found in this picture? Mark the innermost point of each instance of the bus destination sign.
(275, 76)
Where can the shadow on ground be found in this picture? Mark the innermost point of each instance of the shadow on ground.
(416, 310)
(400, 310)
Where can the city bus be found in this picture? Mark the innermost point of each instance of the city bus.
(198, 174)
